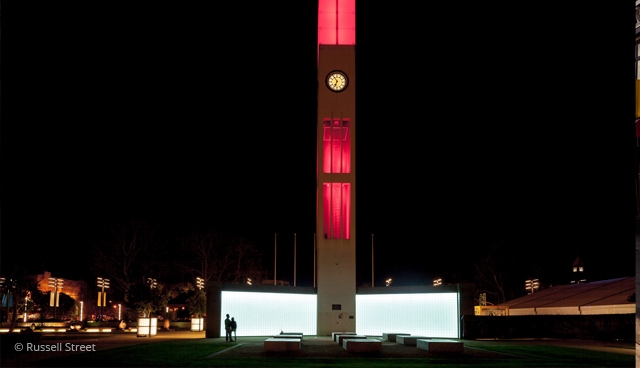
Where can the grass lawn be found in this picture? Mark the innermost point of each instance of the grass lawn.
(197, 353)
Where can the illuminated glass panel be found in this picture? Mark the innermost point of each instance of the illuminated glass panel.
(267, 314)
(345, 207)
(337, 22)
(336, 219)
(434, 315)
(336, 148)
(336, 210)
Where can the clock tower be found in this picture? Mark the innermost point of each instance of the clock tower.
(336, 167)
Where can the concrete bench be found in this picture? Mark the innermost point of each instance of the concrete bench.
(392, 336)
(282, 344)
(288, 336)
(341, 338)
(410, 340)
(334, 335)
(362, 345)
(441, 345)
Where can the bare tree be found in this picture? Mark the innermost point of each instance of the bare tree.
(495, 273)
(490, 279)
(247, 260)
(127, 254)
(217, 257)
(203, 247)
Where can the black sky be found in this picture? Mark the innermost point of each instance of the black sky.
(475, 126)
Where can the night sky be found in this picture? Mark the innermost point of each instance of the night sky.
(473, 128)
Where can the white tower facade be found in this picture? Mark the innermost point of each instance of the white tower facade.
(336, 167)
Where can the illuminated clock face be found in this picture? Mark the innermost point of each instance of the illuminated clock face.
(337, 81)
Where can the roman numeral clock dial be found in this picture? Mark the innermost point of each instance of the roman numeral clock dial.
(337, 81)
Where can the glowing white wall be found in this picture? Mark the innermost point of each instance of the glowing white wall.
(267, 314)
(433, 315)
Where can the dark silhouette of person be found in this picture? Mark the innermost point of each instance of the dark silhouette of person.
(227, 329)
(234, 326)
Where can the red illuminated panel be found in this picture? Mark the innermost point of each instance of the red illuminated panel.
(345, 207)
(336, 220)
(326, 204)
(337, 22)
(336, 210)
(336, 148)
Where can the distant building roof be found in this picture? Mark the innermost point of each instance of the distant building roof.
(614, 296)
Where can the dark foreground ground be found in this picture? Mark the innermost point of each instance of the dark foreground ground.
(315, 348)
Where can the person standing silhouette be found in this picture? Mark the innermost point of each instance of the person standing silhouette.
(227, 329)
(234, 326)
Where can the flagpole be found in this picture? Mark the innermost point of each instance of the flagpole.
(372, 260)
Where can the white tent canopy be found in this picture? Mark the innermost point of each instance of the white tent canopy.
(596, 297)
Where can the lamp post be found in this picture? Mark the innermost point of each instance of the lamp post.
(54, 302)
(153, 283)
(147, 325)
(102, 295)
(482, 299)
(197, 322)
(532, 285)
(26, 299)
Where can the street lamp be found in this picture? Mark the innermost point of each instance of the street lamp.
(197, 322)
(24, 318)
(26, 299)
(482, 299)
(148, 326)
(437, 282)
(56, 284)
(153, 283)
(532, 285)
(102, 295)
